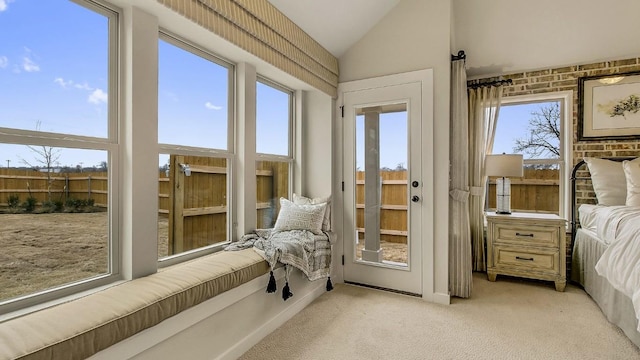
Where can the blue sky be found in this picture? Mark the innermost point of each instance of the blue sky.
(393, 140)
(513, 122)
(53, 74)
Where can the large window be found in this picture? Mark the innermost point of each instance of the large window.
(194, 131)
(274, 118)
(535, 126)
(59, 149)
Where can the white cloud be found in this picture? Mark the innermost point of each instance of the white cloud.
(84, 86)
(98, 96)
(60, 81)
(28, 65)
(4, 62)
(4, 4)
(70, 83)
(210, 106)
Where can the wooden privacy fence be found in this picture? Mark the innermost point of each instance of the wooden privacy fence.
(197, 205)
(196, 202)
(537, 191)
(393, 209)
(53, 186)
(272, 180)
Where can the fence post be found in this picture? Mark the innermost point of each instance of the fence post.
(89, 186)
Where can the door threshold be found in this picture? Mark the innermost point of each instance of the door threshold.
(384, 289)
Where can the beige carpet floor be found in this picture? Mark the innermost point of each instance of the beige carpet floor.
(508, 319)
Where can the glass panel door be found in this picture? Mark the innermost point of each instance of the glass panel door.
(381, 184)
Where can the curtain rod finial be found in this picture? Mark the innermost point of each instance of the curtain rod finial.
(461, 56)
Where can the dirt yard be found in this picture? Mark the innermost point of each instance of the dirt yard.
(390, 251)
(41, 251)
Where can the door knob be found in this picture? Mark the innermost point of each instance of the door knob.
(415, 198)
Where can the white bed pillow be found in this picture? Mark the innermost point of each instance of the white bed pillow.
(609, 182)
(300, 217)
(302, 200)
(632, 174)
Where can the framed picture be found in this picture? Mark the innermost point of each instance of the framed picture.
(609, 107)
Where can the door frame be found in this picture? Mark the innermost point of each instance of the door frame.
(407, 278)
(425, 77)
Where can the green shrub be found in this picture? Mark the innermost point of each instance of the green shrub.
(13, 201)
(72, 205)
(47, 207)
(51, 206)
(30, 204)
(79, 205)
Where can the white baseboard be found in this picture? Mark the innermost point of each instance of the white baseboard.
(440, 298)
(256, 336)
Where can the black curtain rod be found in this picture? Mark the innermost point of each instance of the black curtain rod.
(461, 56)
(490, 83)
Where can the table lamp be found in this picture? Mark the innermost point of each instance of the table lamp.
(503, 166)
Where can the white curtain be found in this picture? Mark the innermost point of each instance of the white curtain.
(460, 272)
(484, 105)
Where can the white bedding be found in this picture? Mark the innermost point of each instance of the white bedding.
(619, 227)
(604, 220)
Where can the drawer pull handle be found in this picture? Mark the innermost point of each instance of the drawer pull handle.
(523, 258)
(521, 234)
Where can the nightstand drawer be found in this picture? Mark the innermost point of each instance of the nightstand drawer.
(532, 235)
(535, 260)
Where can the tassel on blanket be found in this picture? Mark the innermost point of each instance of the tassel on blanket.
(329, 284)
(271, 287)
(286, 292)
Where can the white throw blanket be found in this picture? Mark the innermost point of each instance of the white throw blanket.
(298, 248)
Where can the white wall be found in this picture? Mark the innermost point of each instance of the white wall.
(415, 35)
(317, 119)
(504, 36)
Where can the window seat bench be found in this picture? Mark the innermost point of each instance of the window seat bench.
(80, 328)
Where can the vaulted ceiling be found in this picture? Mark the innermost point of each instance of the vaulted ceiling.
(335, 24)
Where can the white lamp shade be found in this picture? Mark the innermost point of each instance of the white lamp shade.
(505, 165)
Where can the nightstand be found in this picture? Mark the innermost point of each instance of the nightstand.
(527, 245)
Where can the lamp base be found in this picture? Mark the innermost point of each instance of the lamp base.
(503, 196)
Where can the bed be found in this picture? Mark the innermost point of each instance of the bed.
(605, 258)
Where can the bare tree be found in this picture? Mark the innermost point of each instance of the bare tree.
(44, 157)
(400, 167)
(544, 133)
(103, 166)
